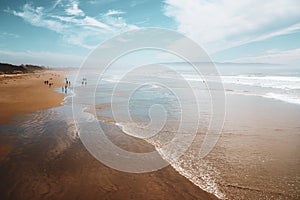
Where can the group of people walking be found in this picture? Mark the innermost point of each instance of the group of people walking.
(84, 81)
(67, 84)
(48, 83)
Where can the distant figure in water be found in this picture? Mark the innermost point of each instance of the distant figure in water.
(62, 88)
(66, 88)
(84, 81)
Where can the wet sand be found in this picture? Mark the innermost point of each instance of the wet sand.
(34, 172)
(257, 155)
(48, 160)
(25, 93)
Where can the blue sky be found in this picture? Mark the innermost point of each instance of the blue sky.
(61, 33)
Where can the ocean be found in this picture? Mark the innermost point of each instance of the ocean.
(252, 121)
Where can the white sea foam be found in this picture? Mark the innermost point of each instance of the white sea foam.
(283, 97)
(277, 82)
(124, 128)
(281, 88)
(201, 174)
(197, 170)
(70, 94)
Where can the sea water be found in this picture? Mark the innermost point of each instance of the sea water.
(256, 154)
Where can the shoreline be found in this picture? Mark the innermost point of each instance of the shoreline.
(26, 93)
(55, 164)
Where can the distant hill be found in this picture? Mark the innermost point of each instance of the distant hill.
(6, 68)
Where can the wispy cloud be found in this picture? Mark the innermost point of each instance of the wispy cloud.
(6, 34)
(74, 25)
(226, 23)
(35, 16)
(114, 12)
(278, 57)
(56, 4)
(135, 3)
(74, 10)
(93, 22)
(284, 31)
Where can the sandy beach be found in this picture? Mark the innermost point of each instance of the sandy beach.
(23, 93)
(150, 100)
(42, 158)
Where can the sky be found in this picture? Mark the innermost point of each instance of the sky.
(61, 33)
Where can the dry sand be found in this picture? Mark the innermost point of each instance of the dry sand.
(27, 92)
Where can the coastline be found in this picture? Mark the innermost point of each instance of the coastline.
(55, 163)
(24, 93)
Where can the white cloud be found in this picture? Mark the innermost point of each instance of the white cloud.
(35, 16)
(119, 23)
(264, 36)
(226, 23)
(76, 27)
(114, 12)
(74, 10)
(6, 34)
(93, 22)
(278, 57)
(284, 31)
(56, 4)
